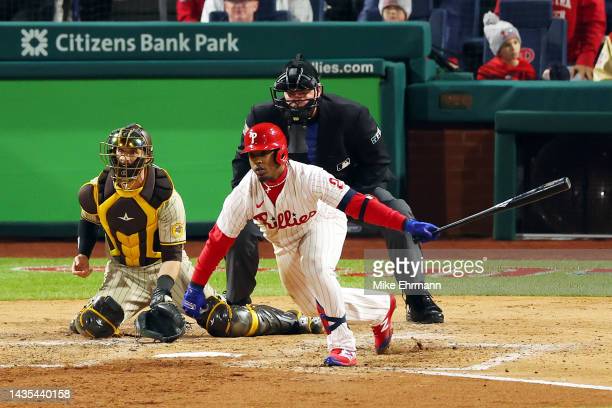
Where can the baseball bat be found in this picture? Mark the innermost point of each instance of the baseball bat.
(539, 193)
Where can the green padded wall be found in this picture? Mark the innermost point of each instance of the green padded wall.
(51, 129)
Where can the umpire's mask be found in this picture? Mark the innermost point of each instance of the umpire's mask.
(298, 75)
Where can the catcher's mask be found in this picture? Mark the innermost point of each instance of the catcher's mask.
(127, 151)
(298, 75)
(266, 136)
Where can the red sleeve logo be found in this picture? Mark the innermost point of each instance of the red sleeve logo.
(336, 182)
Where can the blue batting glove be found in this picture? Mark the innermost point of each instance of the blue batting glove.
(194, 302)
(421, 231)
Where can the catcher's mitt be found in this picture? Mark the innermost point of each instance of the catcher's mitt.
(163, 322)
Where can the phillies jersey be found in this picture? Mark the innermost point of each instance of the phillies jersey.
(496, 68)
(310, 195)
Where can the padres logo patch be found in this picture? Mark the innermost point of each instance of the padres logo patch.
(177, 230)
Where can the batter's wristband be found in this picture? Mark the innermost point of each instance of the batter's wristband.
(87, 236)
(363, 208)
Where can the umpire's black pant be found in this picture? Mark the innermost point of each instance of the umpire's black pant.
(243, 258)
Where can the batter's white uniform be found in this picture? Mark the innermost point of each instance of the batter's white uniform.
(307, 232)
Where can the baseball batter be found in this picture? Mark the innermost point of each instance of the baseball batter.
(143, 218)
(300, 209)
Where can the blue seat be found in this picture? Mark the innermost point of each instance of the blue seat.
(556, 47)
(421, 10)
(369, 12)
(454, 24)
(544, 38)
(267, 12)
(437, 22)
(218, 16)
(318, 9)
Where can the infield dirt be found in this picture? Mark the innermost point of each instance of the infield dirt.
(553, 339)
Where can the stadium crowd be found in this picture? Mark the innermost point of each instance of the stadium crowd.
(495, 39)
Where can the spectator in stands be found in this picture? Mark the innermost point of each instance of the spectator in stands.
(244, 10)
(586, 27)
(189, 11)
(395, 10)
(505, 42)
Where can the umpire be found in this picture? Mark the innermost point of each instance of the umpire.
(340, 136)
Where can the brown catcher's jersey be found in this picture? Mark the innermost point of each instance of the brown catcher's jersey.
(137, 223)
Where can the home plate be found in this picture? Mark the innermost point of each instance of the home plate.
(198, 354)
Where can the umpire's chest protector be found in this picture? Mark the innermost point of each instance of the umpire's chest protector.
(129, 218)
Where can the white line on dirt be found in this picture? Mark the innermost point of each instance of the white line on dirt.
(509, 379)
(524, 350)
(198, 354)
(97, 342)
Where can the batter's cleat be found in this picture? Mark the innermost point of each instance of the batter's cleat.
(384, 330)
(423, 309)
(341, 358)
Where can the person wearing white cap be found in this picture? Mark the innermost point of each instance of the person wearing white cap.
(505, 43)
(395, 10)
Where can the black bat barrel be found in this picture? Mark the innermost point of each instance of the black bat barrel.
(528, 197)
(540, 193)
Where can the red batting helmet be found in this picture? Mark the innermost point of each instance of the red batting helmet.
(266, 136)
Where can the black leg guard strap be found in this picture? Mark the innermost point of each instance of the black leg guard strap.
(336, 321)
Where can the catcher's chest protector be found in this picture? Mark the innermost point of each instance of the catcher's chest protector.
(129, 218)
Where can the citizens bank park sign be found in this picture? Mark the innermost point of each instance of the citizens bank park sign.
(108, 41)
(34, 43)
(42, 43)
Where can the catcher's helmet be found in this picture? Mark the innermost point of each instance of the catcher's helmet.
(266, 136)
(298, 75)
(130, 137)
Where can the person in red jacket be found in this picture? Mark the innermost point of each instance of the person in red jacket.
(586, 27)
(189, 11)
(505, 42)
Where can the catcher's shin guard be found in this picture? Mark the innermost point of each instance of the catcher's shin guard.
(100, 318)
(307, 324)
(276, 321)
(223, 320)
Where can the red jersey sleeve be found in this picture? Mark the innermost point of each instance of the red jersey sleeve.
(368, 209)
(214, 250)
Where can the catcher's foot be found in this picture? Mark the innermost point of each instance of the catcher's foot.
(423, 309)
(307, 325)
(384, 330)
(73, 328)
(341, 358)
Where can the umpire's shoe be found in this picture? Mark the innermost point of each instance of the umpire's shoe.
(423, 309)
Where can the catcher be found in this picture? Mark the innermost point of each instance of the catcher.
(143, 218)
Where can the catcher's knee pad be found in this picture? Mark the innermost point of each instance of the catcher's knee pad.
(100, 318)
